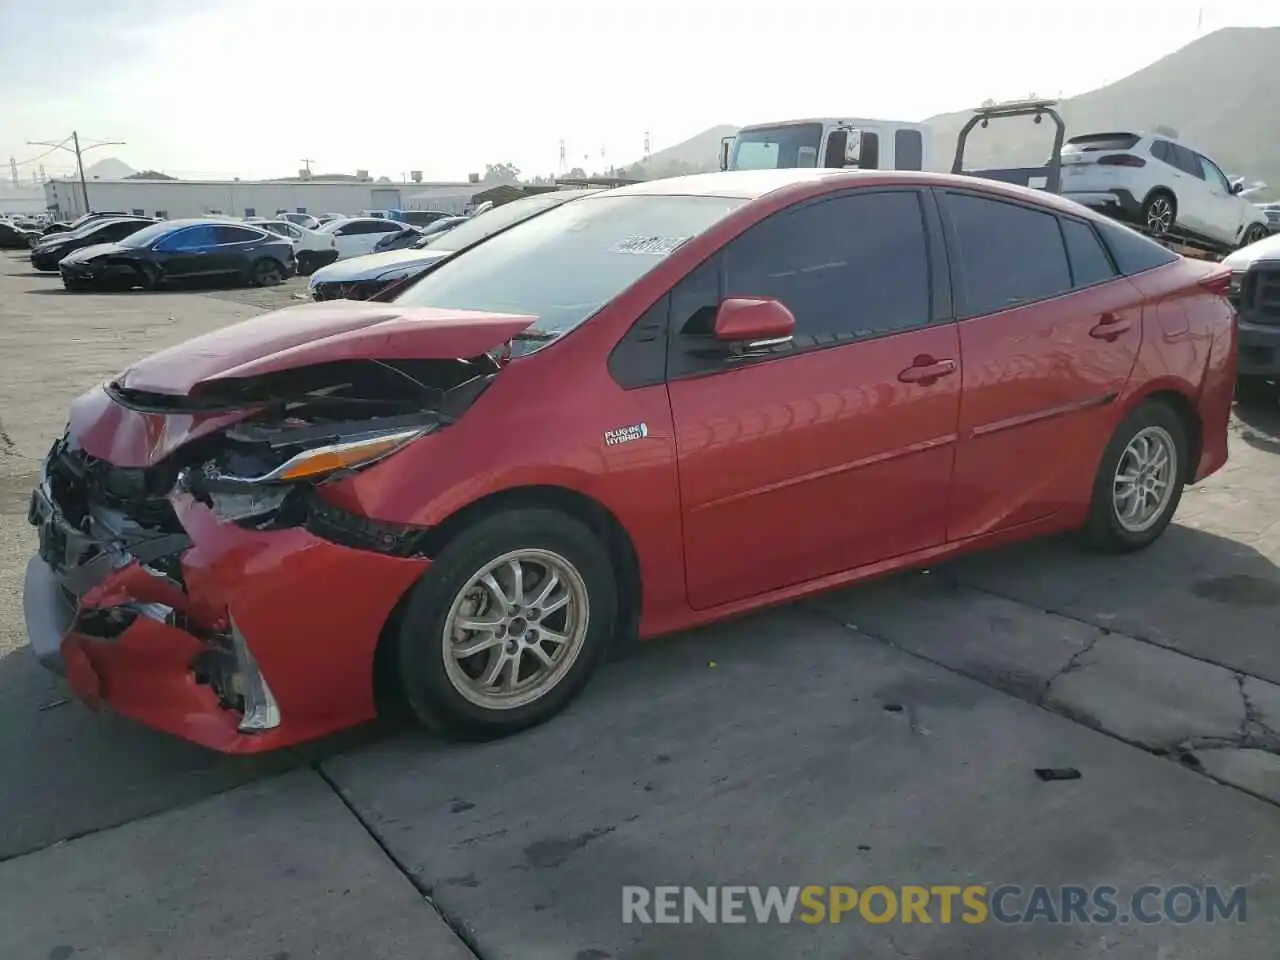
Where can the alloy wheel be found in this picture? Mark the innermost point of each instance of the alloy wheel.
(1144, 480)
(515, 629)
(1160, 215)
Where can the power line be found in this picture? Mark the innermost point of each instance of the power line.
(77, 150)
(52, 149)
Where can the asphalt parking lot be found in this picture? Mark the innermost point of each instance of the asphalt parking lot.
(888, 734)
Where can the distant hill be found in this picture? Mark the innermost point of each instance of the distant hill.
(699, 154)
(108, 168)
(1219, 93)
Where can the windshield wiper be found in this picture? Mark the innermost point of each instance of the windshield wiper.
(535, 335)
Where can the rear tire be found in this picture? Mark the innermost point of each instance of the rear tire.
(1159, 212)
(267, 272)
(467, 600)
(1139, 481)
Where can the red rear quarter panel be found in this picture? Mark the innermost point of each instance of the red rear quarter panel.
(1188, 347)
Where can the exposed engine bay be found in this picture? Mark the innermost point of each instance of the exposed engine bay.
(106, 529)
(325, 420)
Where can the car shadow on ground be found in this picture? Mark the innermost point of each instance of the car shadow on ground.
(67, 771)
(1260, 420)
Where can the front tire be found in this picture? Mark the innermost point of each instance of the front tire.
(508, 625)
(1159, 212)
(1139, 481)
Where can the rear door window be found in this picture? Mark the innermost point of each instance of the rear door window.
(1090, 263)
(1132, 252)
(228, 234)
(985, 231)
(1186, 161)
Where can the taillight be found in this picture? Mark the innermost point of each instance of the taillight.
(1122, 160)
(1218, 282)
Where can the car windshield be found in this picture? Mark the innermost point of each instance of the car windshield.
(147, 235)
(566, 264)
(487, 224)
(786, 146)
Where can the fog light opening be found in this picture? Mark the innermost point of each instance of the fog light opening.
(261, 712)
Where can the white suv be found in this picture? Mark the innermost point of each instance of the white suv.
(1162, 186)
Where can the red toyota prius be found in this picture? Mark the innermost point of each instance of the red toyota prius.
(645, 410)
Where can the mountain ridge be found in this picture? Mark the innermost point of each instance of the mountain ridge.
(1208, 91)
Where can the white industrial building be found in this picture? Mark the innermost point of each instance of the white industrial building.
(250, 198)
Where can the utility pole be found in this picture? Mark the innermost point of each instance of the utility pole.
(13, 170)
(78, 151)
(307, 163)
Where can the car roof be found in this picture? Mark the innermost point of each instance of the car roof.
(752, 184)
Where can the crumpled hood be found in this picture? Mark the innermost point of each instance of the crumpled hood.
(324, 332)
(1267, 248)
(95, 251)
(374, 265)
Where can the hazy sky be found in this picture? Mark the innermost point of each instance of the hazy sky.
(250, 87)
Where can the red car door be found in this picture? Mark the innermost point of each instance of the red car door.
(832, 450)
(1049, 333)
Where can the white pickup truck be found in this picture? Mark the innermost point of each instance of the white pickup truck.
(857, 143)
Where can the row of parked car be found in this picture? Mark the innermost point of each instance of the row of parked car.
(123, 251)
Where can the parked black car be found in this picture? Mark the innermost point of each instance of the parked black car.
(64, 226)
(13, 237)
(183, 251)
(49, 250)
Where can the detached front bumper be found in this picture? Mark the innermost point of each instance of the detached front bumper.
(280, 614)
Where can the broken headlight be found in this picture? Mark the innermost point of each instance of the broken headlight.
(319, 461)
(257, 473)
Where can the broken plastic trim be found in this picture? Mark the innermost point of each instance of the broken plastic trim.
(261, 712)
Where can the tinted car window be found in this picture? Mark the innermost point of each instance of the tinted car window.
(111, 232)
(1186, 161)
(852, 266)
(1091, 142)
(908, 150)
(1132, 252)
(236, 234)
(191, 238)
(1162, 150)
(1089, 261)
(1009, 254)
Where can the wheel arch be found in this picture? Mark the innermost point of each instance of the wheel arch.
(1161, 188)
(1183, 404)
(588, 510)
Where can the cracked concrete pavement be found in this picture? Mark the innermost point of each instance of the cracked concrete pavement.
(881, 734)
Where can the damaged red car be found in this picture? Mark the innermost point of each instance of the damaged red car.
(648, 409)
